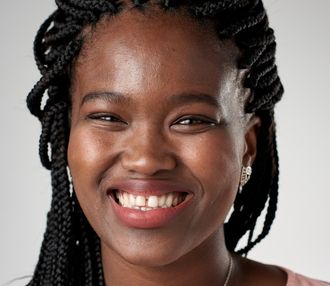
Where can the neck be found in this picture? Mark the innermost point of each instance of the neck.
(207, 264)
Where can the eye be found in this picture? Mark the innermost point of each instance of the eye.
(106, 118)
(193, 124)
(193, 121)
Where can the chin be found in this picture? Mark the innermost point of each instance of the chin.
(145, 251)
(151, 260)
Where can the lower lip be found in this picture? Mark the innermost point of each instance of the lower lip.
(148, 219)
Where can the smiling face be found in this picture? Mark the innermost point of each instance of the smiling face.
(158, 135)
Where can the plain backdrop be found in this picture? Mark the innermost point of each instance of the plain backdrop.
(300, 236)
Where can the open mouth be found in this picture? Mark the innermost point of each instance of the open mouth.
(148, 202)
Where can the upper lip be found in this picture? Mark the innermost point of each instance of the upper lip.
(148, 187)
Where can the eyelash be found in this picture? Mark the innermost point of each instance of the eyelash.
(195, 120)
(184, 124)
(106, 117)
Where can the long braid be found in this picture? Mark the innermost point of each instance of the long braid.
(54, 256)
(70, 253)
(36, 94)
(56, 45)
(272, 204)
(256, 40)
(261, 188)
(88, 261)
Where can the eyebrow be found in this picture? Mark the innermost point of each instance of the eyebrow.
(111, 97)
(178, 99)
(188, 98)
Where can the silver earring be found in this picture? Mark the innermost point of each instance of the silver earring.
(245, 176)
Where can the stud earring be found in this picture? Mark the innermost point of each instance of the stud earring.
(245, 176)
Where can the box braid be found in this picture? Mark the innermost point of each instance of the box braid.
(70, 253)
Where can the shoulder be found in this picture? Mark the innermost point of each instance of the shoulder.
(254, 273)
(258, 274)
(295, 279)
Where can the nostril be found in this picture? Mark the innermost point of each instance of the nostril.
(147, 158)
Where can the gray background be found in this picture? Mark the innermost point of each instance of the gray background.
(300, 237)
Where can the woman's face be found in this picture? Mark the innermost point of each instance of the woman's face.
(158, 135)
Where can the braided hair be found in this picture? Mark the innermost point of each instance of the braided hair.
(70, 252)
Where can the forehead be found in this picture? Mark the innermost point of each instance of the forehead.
(160, 50)
(159, 26)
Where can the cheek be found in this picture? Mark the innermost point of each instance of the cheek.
(83, 156)
(87, 162)
(216, 159)
(215, 163)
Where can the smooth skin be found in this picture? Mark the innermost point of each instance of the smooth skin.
(158, 97)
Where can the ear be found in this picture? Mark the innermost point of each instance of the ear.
(251, 134)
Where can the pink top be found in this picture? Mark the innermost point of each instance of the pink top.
(295, 279)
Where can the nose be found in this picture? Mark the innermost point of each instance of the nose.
(147, 153)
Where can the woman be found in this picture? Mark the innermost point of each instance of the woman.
(163, 113)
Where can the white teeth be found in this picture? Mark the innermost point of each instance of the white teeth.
(131, 199)
(140, 201)
(145, 209)
(161, 200)
(126, 199)
(153, 202)
(148, 203)
(121, 198)
(175, 201)
(169, 200)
